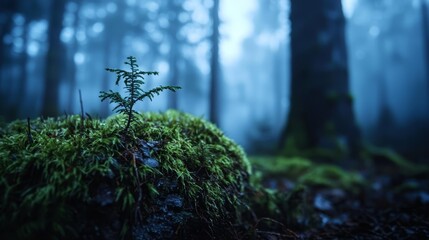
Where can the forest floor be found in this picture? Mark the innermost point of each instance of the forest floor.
(390, 204)
(376, 213)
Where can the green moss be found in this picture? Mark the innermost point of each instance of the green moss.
(305, 172)
(293, 208)
(333, 155)
(50, 185)
(333, 97)
(296, 147)
(282, 167)
(388, 161)
(406, 186)
(332, 177)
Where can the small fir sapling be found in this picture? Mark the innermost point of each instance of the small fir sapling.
(133, 81)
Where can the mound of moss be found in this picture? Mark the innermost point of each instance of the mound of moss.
(172, 175)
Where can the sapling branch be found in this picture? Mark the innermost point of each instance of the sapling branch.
(133, 81)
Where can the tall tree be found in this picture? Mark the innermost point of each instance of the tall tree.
(174, 9)
(31, 11)
(54, 59)
(425, 29)
(113, 45)
(15, 23)
(214, 66)
(8, 9)
(321, 114)
(71, 64)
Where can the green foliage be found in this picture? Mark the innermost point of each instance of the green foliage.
(290, 207)
(386, 160)
(333, 177)
(293, 204)
(48, 186)
(133, 81)
(307, 173)
(282, 167)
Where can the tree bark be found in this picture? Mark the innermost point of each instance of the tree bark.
(425, 30)
(173, 58)
(321, 114)
(214, 66)
(54, 59)
(72, 73)
(22, 62)
(113, 45)
(9, 8)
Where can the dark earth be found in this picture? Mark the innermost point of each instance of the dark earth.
(390, 207)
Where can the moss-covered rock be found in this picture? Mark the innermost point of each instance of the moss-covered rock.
(171, 175)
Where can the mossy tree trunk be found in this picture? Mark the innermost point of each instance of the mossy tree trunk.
(55, 59)
(321, 114)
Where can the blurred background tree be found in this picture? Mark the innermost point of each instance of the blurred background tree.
(320, 79)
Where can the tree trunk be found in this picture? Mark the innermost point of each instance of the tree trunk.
(72, 78)
(425, 30)
(105, 82)
(9, 8)
(321, 114)
(173, 57)
(214, 66)
(22, 62)
(54, 59)
(113, 45)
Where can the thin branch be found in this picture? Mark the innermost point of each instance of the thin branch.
(82, 115)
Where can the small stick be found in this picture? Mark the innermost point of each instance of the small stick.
(81, 105)
(82, 116)
(30, 138)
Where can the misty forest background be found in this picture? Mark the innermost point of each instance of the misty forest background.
(253, 67)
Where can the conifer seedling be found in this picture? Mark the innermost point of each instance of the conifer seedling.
(133, 81)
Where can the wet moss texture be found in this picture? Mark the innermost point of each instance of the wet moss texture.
(70, 178)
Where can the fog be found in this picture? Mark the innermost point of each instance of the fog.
(387, 46)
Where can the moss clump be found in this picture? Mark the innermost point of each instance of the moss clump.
(306, 173)
(334, 150)
(171, 173)
(332, 177)
(387, 161)
(282, 167)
